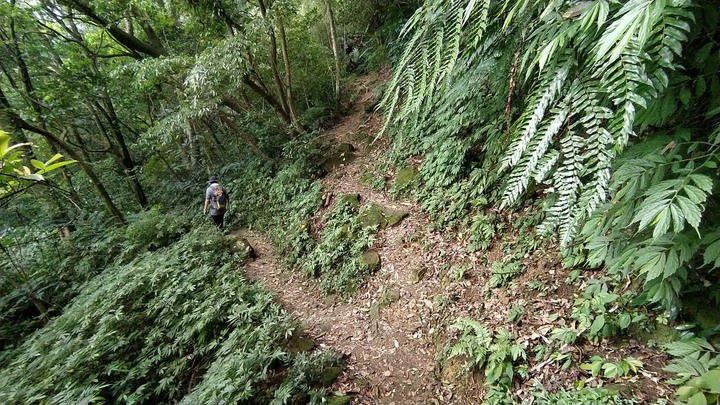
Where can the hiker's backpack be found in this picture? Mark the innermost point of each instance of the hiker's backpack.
(219, 198)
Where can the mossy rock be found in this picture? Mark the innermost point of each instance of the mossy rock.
(404, 178)
(350, 199)
(371, 259)
(339, 155)
(299, 344)
(362, 137)
(329, 375)
(377, 216)
(338, 400)
(418, 274)
(389, 297)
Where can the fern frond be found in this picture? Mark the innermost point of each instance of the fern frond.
(436, 30)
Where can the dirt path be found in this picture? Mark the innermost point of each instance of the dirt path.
(390, 361)
(397, 323)
(387, 329)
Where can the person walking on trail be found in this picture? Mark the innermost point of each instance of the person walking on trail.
(216, 201)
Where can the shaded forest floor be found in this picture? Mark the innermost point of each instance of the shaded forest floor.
(393, 328)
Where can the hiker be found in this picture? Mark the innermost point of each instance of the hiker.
(216, 201)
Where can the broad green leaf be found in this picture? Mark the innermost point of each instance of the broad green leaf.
(697, 399)
(4, 143)
(597, 325)
(711, 381)
(54, 158)
(624, 320)
(712, 254)
(59, 165)
(691, 211)
(702, 181)
(37, 164)
(685, 392)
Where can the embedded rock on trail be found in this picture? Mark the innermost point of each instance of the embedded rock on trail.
(371, 259)
(381, 217)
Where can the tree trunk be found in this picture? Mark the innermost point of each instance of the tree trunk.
(336, 55)
(288, 80)
(19, 122)
(123, 153)
(192, 146)
(273, 59)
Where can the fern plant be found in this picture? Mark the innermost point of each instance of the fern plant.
(604, 110)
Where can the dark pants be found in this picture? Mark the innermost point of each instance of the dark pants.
(219, 220)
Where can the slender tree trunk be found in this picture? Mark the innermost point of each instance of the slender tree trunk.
(124, 158)
(169, 166)
(336, 55)
(19, 122)
(273, 59)
(192, 146)
(288, 79)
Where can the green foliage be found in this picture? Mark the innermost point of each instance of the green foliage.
(612, 370)
(284, 203)
(497, 353)
(336, 259)
(609, 117)
(696, 365)
(581, 396)
(175, 320)
(15, 177)
(482, 231)
(601, 314)
(153, 229)
(505, 269)
(515, 314)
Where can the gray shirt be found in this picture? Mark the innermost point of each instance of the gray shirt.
(209, 196)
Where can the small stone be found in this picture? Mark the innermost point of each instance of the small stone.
(380, 217)
(375, 311)
(418, 274)
(331, 299)
(299, 344)
(371, 259)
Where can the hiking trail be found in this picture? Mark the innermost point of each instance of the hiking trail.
(392, 329)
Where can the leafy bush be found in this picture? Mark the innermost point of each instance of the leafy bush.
(153, 229)
(175, 320)
(582, 396)
(608, 369)
(497, 353)
(696, 365)
(336, 259)
(601, 314)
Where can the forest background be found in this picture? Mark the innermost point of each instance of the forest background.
(589, 129)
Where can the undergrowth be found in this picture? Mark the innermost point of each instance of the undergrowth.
(176, 324)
